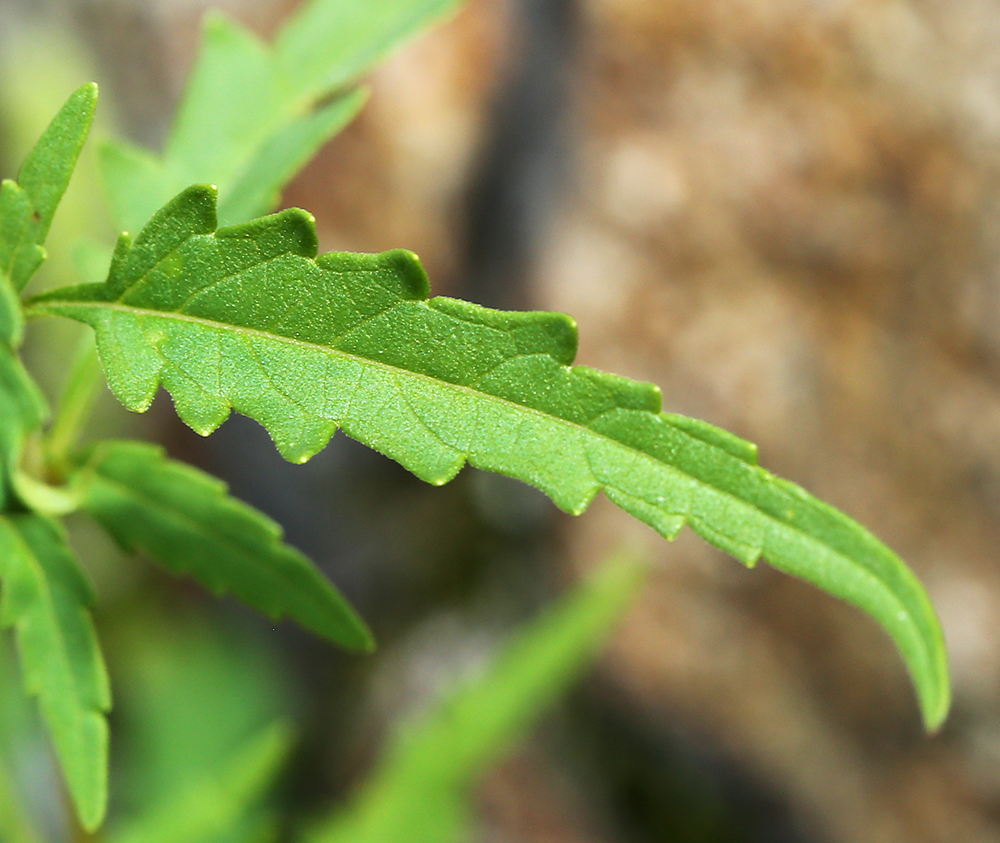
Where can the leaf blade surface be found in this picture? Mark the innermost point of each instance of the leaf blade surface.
(185, 520)
(45, 598)
(330, 43)
(247, 318)
(253, 113)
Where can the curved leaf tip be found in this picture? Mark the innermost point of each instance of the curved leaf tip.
(246, 319)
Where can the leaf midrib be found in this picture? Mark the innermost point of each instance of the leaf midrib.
(885, 587)
(398, 370)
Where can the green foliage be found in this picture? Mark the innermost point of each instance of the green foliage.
(419, 792)
(45, 599)
(23, 411)
(190, 703)
(247, 317)
(26, 211)
(186, 521)
(248, 125)
(253, 115)
(28, 205)
(45, 596)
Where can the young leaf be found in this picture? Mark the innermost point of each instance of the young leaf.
(419, 792)
(248, 318)
(44, 597)
(209, 805)
(331, 43)
(186, 521)
(26, 211)
(28, 206)
(258, 187)
(252, 115)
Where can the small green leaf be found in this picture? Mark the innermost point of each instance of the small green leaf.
(45, 598)
(247, 318)
(252, 115)
(26, 211)
(27, 207)
(186, 521)
(419, 791)
(205, 807)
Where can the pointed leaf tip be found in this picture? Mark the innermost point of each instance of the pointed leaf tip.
(305, 346)
(28, 207)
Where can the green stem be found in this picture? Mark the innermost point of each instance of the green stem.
(74, 407)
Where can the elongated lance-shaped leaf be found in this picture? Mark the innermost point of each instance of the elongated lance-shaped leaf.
(45, 598)
(246, 317)
(420, 791)
(253, 114)
(185, 519)
(28, 206)
(26, 211)
(330, 43)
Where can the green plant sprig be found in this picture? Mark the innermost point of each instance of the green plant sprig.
(248, 318)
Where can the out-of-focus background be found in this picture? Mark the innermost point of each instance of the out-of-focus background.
(786, 213)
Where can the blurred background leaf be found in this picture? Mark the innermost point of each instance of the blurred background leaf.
(420, 791)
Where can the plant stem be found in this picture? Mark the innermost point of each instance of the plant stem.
(75, 405)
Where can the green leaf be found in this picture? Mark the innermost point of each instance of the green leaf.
(186, 521)
(45, 598)
(27, 207)
(248, 318)
(258, 188)
(205, 807)
(23, 410)
(26, 211)
(252, 115)
(419, 791)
